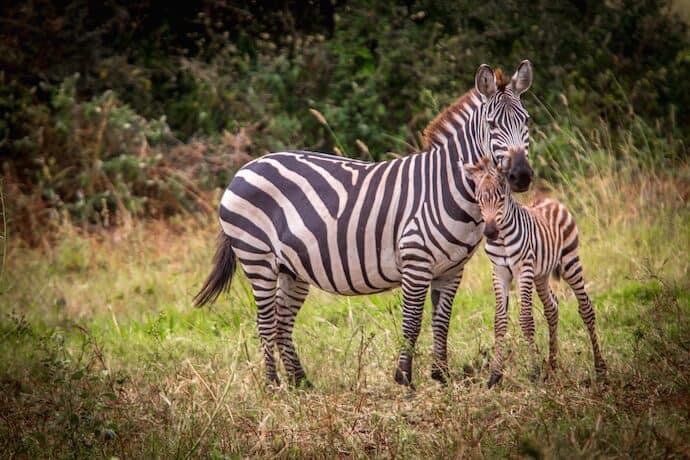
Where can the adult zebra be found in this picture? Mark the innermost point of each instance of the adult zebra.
(295, 219)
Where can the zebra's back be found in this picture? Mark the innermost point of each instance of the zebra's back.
(331, 221)
(558, 232)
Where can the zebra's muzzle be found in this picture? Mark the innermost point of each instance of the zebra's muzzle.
(521, 173)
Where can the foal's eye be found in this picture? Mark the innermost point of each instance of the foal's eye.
(492, 124)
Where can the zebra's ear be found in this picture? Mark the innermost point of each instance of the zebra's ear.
(485, 81)
(522, 78)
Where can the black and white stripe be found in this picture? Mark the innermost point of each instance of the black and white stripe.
(529, 243)
(295, 219)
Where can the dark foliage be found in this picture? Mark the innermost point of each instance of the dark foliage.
(377, 72)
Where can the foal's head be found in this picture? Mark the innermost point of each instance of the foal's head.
(491, 189)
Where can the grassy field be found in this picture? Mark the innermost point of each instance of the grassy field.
(102, 354)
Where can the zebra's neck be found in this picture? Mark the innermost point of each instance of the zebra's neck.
(459, 130)
(456, 137)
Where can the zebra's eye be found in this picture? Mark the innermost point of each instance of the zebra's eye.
(492, 123)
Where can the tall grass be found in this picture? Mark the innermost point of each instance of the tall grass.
(103, 355)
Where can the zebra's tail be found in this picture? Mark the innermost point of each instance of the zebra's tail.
(218, 280)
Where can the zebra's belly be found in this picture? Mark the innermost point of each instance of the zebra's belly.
(322, 260)
(348, 271)
(361, 289)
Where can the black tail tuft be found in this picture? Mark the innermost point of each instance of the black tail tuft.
(219, 279)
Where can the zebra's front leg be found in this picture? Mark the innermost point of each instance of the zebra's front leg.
(442, 295)
(289, 300)
(502, 278)
(526, 287)
(415, 283)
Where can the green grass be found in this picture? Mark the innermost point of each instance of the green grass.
(102, 354)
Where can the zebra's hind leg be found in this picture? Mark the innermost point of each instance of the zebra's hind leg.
(442, 295)
(264, 282)
(548, 299)
(574, 277)
(415, 283)
(501, 281)
(291, 295)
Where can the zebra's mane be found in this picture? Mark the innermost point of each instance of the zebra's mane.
(447, 116)
(456, 108)
(501, 80)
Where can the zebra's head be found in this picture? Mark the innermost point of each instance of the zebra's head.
(503, 124)
(490, 188)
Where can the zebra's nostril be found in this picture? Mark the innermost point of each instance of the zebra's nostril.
(512, 177)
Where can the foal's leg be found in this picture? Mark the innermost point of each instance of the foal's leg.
(573, 276)
(501, 281)
(526, 286)
(548, 299)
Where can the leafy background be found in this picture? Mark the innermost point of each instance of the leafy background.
(144, 109)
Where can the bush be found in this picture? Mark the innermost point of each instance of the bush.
(97, 162)
(144, 110)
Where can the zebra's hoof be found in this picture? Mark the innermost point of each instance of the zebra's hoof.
(272, 382)
(553, 364)
(534, 374)
(494, 379)
(304, 384)
(301, 382)
(403, 378)
(440, 373)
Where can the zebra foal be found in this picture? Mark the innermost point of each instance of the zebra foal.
(529, 243)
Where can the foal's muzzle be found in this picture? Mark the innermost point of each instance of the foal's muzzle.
(490, 231)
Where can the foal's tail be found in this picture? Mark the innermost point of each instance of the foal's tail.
(219, 279)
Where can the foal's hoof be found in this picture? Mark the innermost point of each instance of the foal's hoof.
(440, 373)
(602, 373)
(601, 369)
(533, 376)
(403, 378)
(494, 379)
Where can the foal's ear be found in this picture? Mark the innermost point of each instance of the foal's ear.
(472, 171)
(485, 81)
